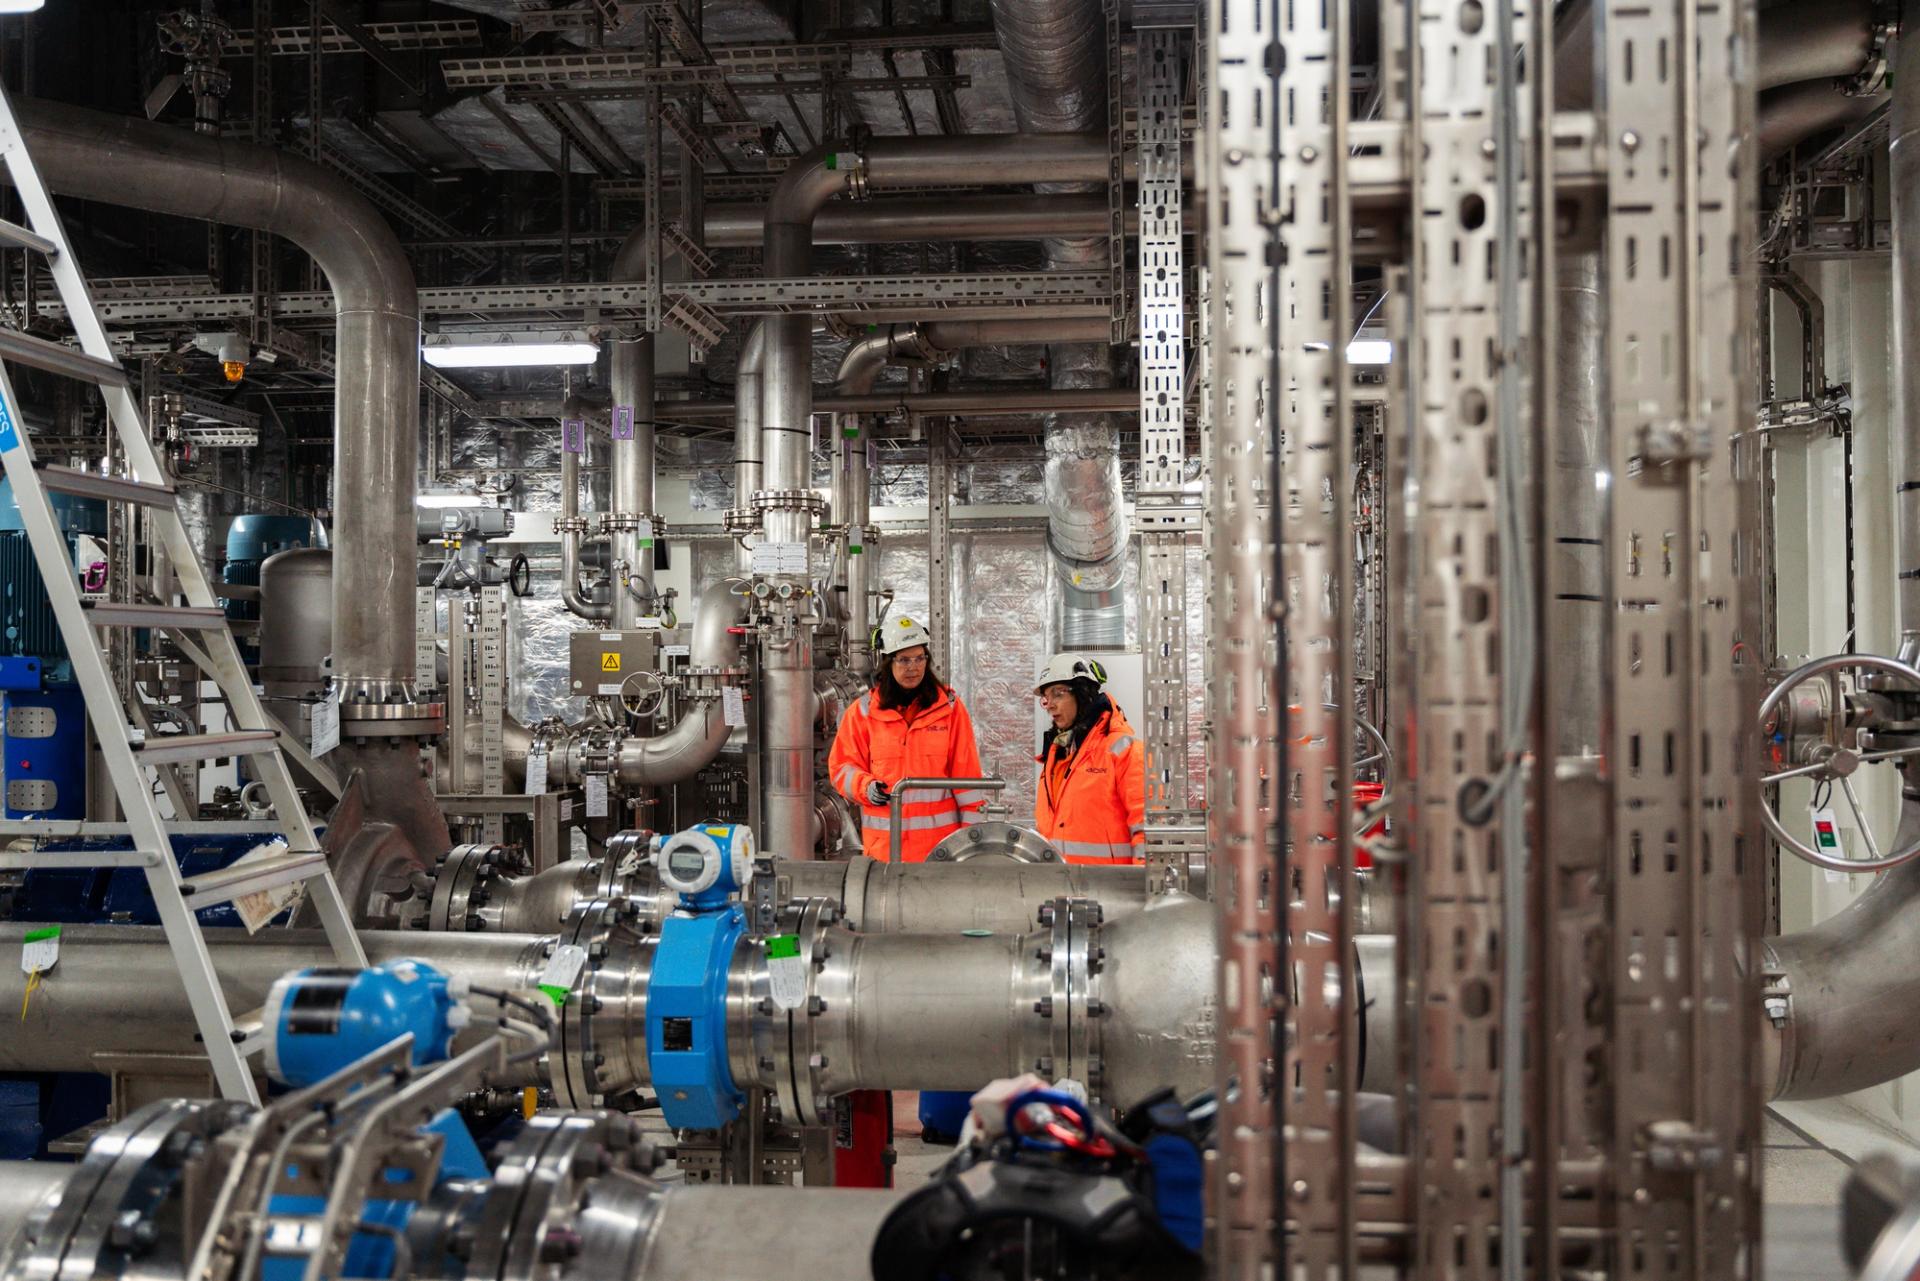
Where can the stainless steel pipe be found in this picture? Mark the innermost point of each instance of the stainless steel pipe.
(121, 160)
(26, 1186)
(82, 1006)
(632, 491)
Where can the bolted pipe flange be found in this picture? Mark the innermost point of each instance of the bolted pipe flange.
(132, 1179)
(1072, 1009)
(599, 1038)
(462, 883)
(536, 1219)
(570, 524)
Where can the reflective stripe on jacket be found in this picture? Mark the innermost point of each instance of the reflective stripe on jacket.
(875, 743)
(1092, 806)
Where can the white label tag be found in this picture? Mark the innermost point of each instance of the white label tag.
(733, 705)
(564, 966)
(856, 540)
(326, 723)
(780, 558)
(596, 788)
(1826, 839)
(261, 906)
(787, 978)
(566, 810)
(41, 951)
(646, 528)
(676, 651)
(647, 624)
(536, 774)
(609, 691)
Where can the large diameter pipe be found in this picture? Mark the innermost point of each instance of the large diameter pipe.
(1813, 42)
(1155, 987)
(80, 1009)
(790, 710)
(967, 216)
(121, 160)
(986, 893)
(738, 1231)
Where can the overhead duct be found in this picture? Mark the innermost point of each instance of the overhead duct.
(120, 160)
(1055, 52)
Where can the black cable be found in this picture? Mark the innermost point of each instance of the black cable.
(544, 1018)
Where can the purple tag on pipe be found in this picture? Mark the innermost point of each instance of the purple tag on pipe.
(623, 422)
(573, 435)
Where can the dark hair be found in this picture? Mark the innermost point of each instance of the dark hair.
(894, 694)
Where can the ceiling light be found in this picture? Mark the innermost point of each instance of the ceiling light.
(443, 352)
(1370, 351)
(21, 6)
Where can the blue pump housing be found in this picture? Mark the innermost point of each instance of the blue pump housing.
(322, 1019)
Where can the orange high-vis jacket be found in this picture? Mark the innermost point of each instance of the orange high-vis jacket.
(883, 744)
(1093, 805)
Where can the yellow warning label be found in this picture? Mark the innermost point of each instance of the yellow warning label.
(610, 662)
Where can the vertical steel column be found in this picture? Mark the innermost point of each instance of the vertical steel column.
(1310, 324)
(1242, 203)
(1161, 511)
(1116, 176)
(1682, 570)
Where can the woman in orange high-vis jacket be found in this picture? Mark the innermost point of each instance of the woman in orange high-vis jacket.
(1093, 768)
(908, 725)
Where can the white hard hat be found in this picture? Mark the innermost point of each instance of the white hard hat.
(900, 633)
(1064, 668)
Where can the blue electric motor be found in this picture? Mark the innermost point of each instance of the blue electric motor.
(252, 538)
(322, 1019)
(45, 741)
(687, 997)
(325, 1019)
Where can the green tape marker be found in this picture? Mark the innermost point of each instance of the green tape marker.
(558, 995)
(48, 932)
(783, 945)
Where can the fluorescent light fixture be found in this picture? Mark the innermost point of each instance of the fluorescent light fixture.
(499, 355)
(1362, 351)
(21, 6)
(444, 499)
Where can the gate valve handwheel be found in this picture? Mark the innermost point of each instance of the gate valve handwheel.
(1834, 762)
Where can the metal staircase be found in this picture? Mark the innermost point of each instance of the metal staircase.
(198, 629)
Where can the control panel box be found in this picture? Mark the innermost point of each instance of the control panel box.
(601, 662)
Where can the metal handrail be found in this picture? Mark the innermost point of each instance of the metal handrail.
(897, 801)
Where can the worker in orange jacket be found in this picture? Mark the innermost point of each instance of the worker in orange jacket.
(1093, 768)
(909, 725)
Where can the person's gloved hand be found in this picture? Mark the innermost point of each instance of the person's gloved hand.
(878, 793)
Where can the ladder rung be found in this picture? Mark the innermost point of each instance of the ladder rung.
(86, 484)
(56, 358)
(205, 747)
(12, 233)
(250, 1030)
(175, 617)
(251, 876)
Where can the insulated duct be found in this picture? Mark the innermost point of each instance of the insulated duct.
(1055, 51)
(1841, 995)
(119, 160)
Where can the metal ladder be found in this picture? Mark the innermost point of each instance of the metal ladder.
(198, 629)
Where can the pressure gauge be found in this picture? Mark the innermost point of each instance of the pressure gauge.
(706, 864)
